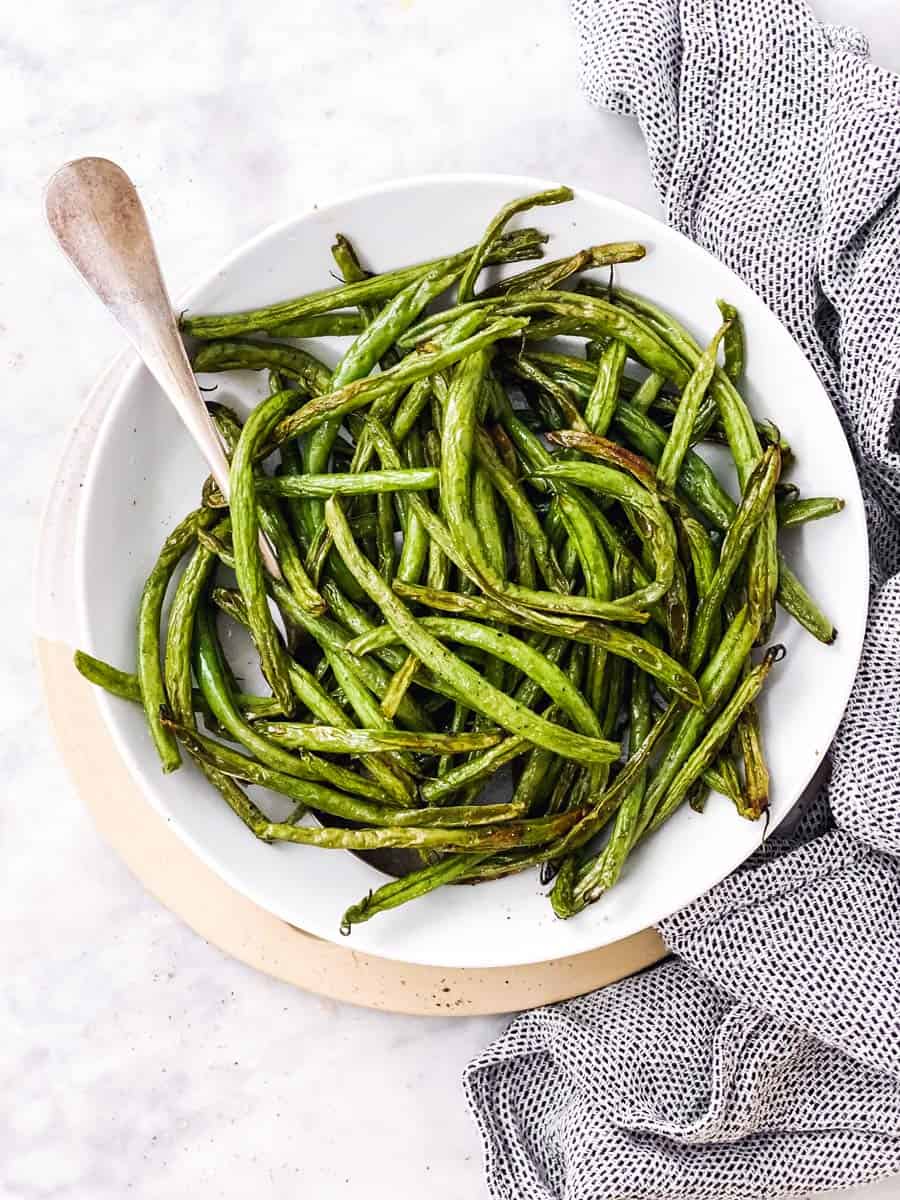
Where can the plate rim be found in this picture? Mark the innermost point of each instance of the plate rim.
(277, 229)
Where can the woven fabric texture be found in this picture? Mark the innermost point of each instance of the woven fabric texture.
(764, 1060)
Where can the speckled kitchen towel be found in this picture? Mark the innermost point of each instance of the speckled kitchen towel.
(764, 1060)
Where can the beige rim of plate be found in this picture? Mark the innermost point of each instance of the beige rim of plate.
(221, 915)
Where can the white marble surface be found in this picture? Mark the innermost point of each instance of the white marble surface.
(134, 1058)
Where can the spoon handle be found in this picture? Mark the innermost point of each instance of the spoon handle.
(97, 218)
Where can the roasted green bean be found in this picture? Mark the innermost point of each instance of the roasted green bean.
(498, 555)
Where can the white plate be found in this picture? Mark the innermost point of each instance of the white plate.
(144, 475)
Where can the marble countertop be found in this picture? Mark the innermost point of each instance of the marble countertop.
(135, 1058)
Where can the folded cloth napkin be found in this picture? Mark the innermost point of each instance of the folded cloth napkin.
(764, 1060)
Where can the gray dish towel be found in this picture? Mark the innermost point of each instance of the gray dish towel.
(764, 1060)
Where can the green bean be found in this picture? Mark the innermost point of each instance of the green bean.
(276, 528)
(715, 737)
(734, 341)
(704, 559)
(410, 409)
(430, 328)
(584, 539)
(149, 666)
(410, 887)
(660, 536)
(813, 508)
(304, 685)
(701, 487)
(397, 315)
(679, 440)
(523, 515)
(211, 677)
(500, 645)
(406, 414)
(245, 535)
(459, 719)
(358, 623)
(716, 682)
(552, 401)
(537, 780)
(456, 461)
(331, 637)
(228, 424)
(534, 832)
(126, 686)
(475, 770)
(514, 247)
(347, 262)
(552, 274)
(607, 451)
(750, 512)
(369, 346)
(332, 324)
(648, 392)
(722, 777)
(494, 230)
(395, 770)
(604, 806)
(697, 480)
(616, 668)
(640, 725)
(484, 509)
(399, 686)
(384, 536)
(327, 739)
(569, 786)
(234, 796)
(449, 667)
(754, 799)
(419, 479)
(297, 364)
(414, 549)
(698, 794)
(666, 326)
(576, 373)
(437, 573)
(272, 521)
(292, 464)
(434, 526)
(310, 692)
(327, 800)
(535, 453)
(188, 595)
(589, 314)
(418, 365)
(795, 599)
(621, 642)
(763, 568)
(305, 792)
(363, 526)
(526, 571)
(118, 683)
(601, 405)
(600, 872)
(676, 613)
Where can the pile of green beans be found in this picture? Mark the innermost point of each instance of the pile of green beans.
(503, 561)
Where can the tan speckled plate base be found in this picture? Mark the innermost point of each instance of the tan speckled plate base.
(178, 879)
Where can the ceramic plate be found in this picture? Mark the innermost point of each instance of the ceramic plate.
(144, 475)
